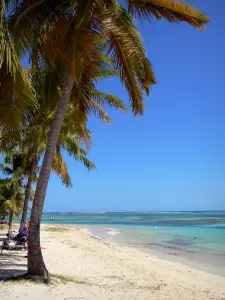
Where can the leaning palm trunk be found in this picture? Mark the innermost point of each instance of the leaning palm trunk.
(36, 265)
(28, 189)
(10, 219)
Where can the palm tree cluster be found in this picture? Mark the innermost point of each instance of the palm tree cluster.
(44, 110)
(12, 187)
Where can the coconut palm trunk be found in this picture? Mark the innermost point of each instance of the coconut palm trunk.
(36, 265)
(10, 219)
(28, 189)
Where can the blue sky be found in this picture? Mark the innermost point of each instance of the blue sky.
(173, 158)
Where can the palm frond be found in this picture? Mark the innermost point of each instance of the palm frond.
(71, 144)
(89, 106)
(105, 74)
(122, 54)
(109, 99)
(15, 96)
(16, 99)
(8, 57)
(172, 10)
(128, 55)
(60, 168)
(29, 19)
(87, 163)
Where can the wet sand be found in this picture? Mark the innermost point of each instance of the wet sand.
(174, 252)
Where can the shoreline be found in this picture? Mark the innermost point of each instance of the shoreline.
(211, 263)
(94, 268)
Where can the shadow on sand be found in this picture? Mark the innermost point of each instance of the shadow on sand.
(12, 265)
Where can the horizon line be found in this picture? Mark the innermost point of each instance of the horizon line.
(135, 211)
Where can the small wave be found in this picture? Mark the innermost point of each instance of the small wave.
(113, 232)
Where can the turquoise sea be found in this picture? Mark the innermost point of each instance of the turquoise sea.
(204, 231)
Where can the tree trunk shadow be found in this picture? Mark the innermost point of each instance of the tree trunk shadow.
(12, 265)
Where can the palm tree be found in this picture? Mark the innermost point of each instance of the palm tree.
(3, 202)
(3, 209)
(59, 166)
(12, 187)
(71, 33)
(74, 137)
(13, 198)
(27, 162)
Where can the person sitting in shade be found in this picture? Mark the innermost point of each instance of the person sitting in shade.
(23, 231)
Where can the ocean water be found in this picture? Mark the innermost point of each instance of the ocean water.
(194, 231)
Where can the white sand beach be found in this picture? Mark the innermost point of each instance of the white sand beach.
(91, 268)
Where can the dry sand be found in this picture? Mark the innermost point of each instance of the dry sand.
(91, 268)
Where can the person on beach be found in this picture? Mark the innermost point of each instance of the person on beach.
(23, 232)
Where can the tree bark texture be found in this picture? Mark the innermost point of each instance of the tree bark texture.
(36, 265)
(10, 219)
(28, 189)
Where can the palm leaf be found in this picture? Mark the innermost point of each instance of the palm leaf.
(15, 95)
(87, 163)
(109, 99)
(8, 57)
(172, 10)
(60, 168)
(94, 108)
(128, 54)
(16, 99)
(72, 144)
